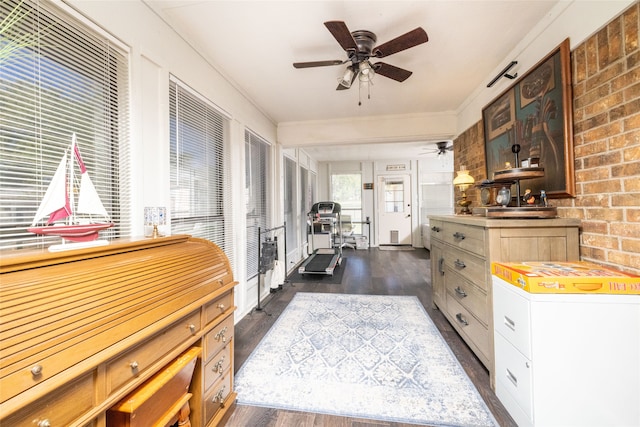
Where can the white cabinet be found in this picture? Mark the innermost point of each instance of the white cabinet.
(567, 360)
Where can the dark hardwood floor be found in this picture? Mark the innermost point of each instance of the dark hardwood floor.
(366, 272)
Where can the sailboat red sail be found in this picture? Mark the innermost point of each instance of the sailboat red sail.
(58, 203)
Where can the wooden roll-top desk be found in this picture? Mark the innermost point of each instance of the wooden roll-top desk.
(82, 331)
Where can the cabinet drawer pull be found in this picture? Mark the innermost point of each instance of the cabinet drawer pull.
(461, 319)
(192, 328)
(459, 235)
(44, 423)
(219, 396)
(36, 370)
(509, 323)
(512, 378)
(134, 367)
(435, 229)
(220, 335)
(459, 264)
(441, 266)
(218, 367)
(461, 292)
(221, 307)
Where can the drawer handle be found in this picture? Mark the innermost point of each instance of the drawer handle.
(459, 235)
(461, 292)
(512, 378)
(459, 264)
(36, 371)
(44, 423)
(134, 367)
(218, 368)
(219, 396)
(436, 229)
(192, 328)
(461, 319)
(220, 335)
(221, 282)
(509, 323)
(221, 307)
(441, 266)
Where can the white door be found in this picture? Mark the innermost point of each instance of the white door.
(394, 210)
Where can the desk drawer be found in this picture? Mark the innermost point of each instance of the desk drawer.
(472, 328)
(133, 362)
(218, 337)
(218, 307)
(217, 396)
(60, 408)
(217, 366)
(468, 295)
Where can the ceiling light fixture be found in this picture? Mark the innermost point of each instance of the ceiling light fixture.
(366, 72)
(346, 78)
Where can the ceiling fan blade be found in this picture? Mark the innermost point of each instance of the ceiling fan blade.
(342, 34)
(317, 63)
(405, 41)
(391, 71)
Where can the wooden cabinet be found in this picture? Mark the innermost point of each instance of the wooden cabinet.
(462, 250)
(567, 359)
(82, 329)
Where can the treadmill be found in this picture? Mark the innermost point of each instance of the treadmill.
(324, 260)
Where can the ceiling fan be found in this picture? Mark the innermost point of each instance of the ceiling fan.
(360, 47)
(441, 148)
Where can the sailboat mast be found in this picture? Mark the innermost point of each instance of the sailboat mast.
(72, 199)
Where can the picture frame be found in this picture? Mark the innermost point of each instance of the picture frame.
(535, 114)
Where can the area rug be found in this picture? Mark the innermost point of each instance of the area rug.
(364, 356)
(334, 279)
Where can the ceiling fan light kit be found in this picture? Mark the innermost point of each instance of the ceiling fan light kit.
(360, 46)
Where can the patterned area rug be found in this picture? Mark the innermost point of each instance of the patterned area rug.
(364, 356)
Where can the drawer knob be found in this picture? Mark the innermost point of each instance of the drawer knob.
(134, 367)
(221, 282)
(221, 307)
(459, 235)
(220, 335)
(44, 423)
(435, 229)
(192, 328)
(459, 264)
(461, 319)
(219, 396)
(218, 368)
(461, 292)
(36, 371)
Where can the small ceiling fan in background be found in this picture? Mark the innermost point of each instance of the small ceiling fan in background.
(360, 47)
(441, 148)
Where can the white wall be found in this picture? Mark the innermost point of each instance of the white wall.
(155, 53)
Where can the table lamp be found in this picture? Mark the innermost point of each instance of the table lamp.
(463, 181)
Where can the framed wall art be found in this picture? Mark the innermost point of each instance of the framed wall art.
(536, 113)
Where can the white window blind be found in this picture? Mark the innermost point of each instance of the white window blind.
(200, 179)
(290, 198)
(257, 172)
(59, 76)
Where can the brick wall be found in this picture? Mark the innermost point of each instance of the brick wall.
(606, 102)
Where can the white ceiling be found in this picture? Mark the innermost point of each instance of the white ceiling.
(254, 43)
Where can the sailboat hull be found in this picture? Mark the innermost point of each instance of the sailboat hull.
(74, 233)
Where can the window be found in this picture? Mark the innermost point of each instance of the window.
(393, 195)
(346, 189)
(290, 203)
(65, 79)
(200, 184)
(257, 172)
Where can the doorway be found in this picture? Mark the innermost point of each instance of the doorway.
(394, 210)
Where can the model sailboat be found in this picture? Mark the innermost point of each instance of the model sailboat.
(59, 204)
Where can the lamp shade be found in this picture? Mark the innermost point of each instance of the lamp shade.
(463, 178)
(346, 79)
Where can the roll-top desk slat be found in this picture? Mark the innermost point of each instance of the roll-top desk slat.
(101, 321)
